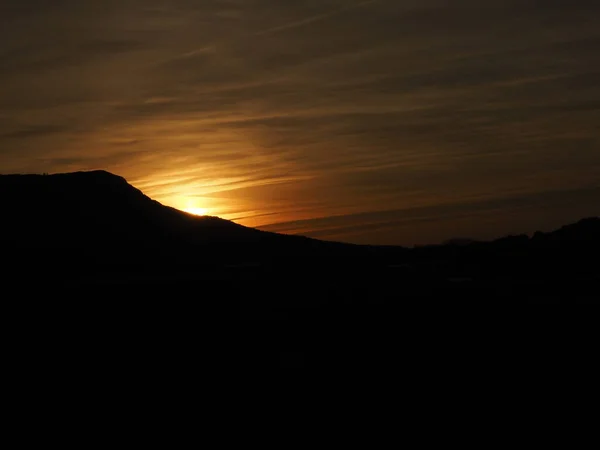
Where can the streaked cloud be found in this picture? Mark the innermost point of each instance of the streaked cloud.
(273, 113)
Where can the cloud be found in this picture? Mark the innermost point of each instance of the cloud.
(402, 223)
(315, 18)
(282, 111)
(33, 131)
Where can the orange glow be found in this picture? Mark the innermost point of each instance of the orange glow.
(192, 206)
(197, 211)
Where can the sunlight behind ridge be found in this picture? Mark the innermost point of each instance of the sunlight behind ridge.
(197, 211)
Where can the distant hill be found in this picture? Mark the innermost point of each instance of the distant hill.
(91, 267)
(98, 208)
(99, 215)
(98, 278)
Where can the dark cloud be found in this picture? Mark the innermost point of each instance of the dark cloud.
(34, 131)
(276, 111)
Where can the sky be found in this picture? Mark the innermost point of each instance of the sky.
(379, 122)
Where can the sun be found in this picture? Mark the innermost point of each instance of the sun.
(195, 206)
(197, 211)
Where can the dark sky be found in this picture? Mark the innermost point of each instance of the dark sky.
(383, 121)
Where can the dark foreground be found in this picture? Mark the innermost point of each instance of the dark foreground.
(100, 279)
(255, 316)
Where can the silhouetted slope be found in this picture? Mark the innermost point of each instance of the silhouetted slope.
(96, 209)
(568, 253)
(88, 255)
(97, 275)
(584, 231)
(97, 216)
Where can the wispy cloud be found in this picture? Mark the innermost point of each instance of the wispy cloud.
(315, 18)
(274, 112)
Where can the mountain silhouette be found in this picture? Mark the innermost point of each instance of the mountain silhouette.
(98, 212)
(89, 221)
(98, 208)
(94, 270)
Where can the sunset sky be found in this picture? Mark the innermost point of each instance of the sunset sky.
(383, 121)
